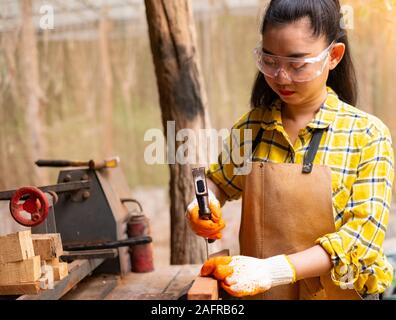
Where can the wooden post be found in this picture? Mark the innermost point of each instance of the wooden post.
(183, 100)
(32, 93)
(107, 78)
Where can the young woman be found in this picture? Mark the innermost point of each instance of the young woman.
(316, 201)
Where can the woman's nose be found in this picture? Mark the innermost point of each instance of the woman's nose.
(282, 77)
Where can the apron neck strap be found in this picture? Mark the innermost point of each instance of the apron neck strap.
(258, 139)
(309, 156)
(312, 151)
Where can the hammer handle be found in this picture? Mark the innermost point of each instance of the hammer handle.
(60, 163)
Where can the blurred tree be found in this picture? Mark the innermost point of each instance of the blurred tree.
(107, 82)
(183, 100)
(32, 97)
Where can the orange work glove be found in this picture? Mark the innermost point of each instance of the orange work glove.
(244, 276)
(209, 229)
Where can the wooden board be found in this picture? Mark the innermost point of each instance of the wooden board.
(18, 289)
(47, 246)
(89, 254)
(21, 271)
(93, 288)
(165, 283)
(16, 247)
(182, 282)
(78, 270)
(204, 289)
(60, 269)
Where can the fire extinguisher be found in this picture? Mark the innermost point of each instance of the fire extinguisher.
(141, 255)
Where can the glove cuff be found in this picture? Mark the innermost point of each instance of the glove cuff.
(282, 270)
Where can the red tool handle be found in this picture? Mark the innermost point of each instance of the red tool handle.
(36, 205)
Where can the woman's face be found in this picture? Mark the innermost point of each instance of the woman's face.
(296, 40)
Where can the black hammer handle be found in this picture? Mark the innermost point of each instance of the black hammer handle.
(59, 163)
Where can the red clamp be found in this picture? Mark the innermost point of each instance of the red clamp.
(31, 200)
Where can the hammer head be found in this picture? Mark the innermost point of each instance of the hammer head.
(201, 192)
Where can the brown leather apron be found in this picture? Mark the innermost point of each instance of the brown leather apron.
(285, 208)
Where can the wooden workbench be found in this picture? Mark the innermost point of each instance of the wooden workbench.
(165, 283)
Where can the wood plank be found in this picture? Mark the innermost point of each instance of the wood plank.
(89, 254)
(47, 246)
(149, 284)
(19, 288)
(60, 269)
(78, 270)
(165, 283)
(93, 288)
(204, 289)
(150, 296)
(16, 247)
(182, 282)
(21, 271)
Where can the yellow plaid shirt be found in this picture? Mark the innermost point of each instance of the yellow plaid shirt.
(358, 148)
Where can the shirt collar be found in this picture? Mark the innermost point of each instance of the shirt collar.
(322, 120)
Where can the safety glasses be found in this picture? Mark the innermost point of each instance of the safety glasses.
(294, 69)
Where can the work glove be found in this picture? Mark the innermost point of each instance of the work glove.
(244, 276)
(209, 229)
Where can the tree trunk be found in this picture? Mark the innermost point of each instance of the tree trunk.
(107, 79)
(32, 94)
(183, 100)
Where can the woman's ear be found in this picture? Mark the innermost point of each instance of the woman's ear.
(336, 55)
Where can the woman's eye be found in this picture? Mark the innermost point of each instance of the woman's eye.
(269, 62)
(298, 65)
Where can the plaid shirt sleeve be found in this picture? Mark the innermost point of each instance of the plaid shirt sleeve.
(354, 248)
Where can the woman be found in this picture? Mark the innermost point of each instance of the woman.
(316, 202)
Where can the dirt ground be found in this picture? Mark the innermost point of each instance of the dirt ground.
(158, 213)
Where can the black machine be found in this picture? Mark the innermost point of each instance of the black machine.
(90, 207)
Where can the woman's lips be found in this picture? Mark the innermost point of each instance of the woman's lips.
(286, 93)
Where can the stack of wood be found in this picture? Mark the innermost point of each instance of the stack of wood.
(30, 263)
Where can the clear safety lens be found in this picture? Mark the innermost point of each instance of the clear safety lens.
(294, 69)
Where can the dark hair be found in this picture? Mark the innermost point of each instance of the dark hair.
(325, 16)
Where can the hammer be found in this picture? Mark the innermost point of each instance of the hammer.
(202, 195)
(92, 164)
